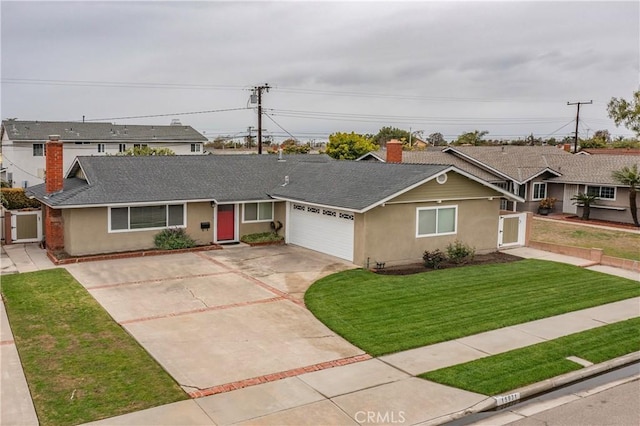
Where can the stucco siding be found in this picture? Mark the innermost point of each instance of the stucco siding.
(279, 214)
(388, 234)
(86, 231)
(456, 187)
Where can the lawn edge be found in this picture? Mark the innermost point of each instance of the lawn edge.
(534, 389)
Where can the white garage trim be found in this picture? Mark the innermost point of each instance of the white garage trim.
(326, 230)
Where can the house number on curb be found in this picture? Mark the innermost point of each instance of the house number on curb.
(507, 399)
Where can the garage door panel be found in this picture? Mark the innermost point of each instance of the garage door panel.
(328, 231)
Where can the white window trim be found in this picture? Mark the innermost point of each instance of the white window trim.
(455, 223)
(258, 212)
(196, 147)
(615, 191)
(533, 190)
(102, 148)
(119, 231)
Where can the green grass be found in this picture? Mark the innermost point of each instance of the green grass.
(383, 314)
(80, 365)
(613, 243)
(514, 369)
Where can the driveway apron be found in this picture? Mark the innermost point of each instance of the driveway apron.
(217, 318)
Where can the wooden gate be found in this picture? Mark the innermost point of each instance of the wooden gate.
(26, 226)
(511, 229)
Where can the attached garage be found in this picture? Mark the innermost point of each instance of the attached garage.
(325, 230)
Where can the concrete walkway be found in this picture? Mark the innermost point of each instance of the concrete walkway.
(381, 390)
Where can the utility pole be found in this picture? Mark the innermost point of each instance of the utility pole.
(575, 141)
(258, 90)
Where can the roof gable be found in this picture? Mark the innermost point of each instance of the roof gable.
(517, 163)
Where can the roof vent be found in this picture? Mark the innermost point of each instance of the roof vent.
(286, 181)
(280, 158)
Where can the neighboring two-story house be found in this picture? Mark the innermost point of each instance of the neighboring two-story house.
(23, 144)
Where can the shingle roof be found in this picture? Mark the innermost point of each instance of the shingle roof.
(593, 169)
(231, 178)
(352, 185)
(436, 156)
(75, 131)
(128, 179)
(519, 163)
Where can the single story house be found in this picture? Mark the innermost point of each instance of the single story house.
(359, 211)
(23, 144)
(592, 174)
(534, 173)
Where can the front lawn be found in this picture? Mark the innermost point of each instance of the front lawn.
(514, 369)
(80, 365)
(613, 243)
(383, 314)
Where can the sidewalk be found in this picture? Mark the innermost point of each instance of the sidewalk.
(19, 258)
(381, 390)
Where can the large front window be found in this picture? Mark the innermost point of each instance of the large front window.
(257, 212)
(146, 217)
(433, 221)
(602, 192)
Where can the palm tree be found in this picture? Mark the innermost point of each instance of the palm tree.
(630, 176)
(585, 201)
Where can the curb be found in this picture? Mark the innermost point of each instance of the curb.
(537, 388)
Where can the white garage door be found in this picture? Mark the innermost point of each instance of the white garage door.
(328, 231)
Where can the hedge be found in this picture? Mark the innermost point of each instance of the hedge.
(15, 199)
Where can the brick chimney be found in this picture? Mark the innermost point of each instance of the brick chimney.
(567, 147)
(54, 176)
(394, 151)
(53, 223)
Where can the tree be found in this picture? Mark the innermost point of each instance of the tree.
(585, 201)
(592, 143)
(385, 134)
(436, 139)
(290, 146)
(471, 138)
(630, 176)
(602, 135)
(625, 112)
(349, 146)
(147, 150)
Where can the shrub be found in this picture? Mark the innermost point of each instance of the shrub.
(15, 198)
(459, 252)
(433, 259)
(261, 237)
(174, 238)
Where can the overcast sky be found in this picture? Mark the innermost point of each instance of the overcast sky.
(450, 67)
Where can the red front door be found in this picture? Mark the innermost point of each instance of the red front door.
(226, 222)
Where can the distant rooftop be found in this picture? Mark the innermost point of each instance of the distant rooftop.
(71, 131)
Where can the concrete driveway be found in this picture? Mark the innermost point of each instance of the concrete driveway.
(221, 317)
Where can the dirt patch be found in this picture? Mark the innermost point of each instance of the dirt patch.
(479, 259)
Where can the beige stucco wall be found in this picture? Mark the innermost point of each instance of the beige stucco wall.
(456, 186)
(86, 231)
(388, 234)
(279, 213)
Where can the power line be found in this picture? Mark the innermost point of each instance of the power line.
(95, 83)
(168, 115)
(277, 124)
(575, 141)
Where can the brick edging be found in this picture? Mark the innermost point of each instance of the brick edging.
(227, 387)
(127, 255)
(593, 254)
